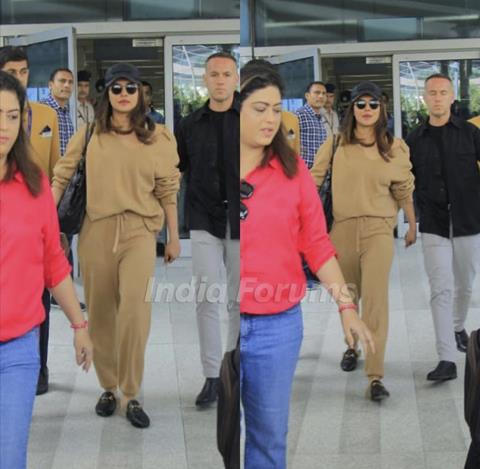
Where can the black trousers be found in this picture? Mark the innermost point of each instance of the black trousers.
(44, 330)
(45, 326)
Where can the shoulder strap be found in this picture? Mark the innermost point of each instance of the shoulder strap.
(336, 140)
(88, 136)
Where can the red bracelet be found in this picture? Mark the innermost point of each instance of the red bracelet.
(82, 325)
(345, 306)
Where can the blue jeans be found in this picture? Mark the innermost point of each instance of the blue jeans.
(19, 366)
(269, 350)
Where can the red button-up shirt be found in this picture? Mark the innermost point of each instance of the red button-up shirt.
(31, 257)
(285, 221)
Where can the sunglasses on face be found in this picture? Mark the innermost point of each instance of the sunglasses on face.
(246, 191)
(362, 104)
(131, 88)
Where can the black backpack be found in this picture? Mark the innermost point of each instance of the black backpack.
(472, 398)
(228, 410)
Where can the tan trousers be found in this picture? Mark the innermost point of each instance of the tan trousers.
(117, 259)
(365, 254)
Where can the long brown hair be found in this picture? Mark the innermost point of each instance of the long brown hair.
(142, 125)
(19, 157)
(383, 138)
(256, 76)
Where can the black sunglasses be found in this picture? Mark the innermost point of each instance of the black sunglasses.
(246, 191)
(131, 88)
(373, 104)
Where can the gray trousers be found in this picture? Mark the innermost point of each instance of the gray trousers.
(209, 254)
(451, 265)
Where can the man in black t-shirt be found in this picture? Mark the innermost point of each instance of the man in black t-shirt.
(445, 152)
(208, 146)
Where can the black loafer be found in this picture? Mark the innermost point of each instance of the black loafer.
(461, 338)
(378, 391)
(106, 405)
(209, 393)
(136, 415)
(444, 371)
(42, 383)
(349, 360)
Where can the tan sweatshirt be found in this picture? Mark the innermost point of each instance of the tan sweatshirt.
(363, 183)
(124, 176)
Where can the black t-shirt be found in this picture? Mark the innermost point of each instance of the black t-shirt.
(438, 134)
(218, 119)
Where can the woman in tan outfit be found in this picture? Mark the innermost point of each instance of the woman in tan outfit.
(371, 181)
(132, 185)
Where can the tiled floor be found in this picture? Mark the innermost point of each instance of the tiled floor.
(420, 426)
(66, 433)
(332, 425)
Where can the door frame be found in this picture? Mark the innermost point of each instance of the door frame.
(171, 41)
(419, 56)
(426, 56)
(68, 33)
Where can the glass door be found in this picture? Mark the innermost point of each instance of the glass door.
(409, 74)
(185, 58)
(46, 52)
(185, 91)
(297, 69)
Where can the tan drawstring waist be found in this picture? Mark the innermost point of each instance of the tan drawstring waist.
(120, 224)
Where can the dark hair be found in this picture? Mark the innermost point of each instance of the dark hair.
(383, 138)
(256, 77)
(309, 86)
(12, 54)
(142, 125)
(146, 84)
(438, 75)
(57, 70)
(19, 157)
(221, 55)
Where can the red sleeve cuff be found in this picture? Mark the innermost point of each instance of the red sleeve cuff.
(316, 260)
(57, 272)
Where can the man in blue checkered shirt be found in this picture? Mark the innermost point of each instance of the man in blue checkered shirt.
(61, 88)
(313, 128)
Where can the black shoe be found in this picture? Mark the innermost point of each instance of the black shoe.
(378, 391)
(443, 372)
(42, 384)
(83, 307)
(136, 415)
(461, 338)
(209, 393)
(106, 405)
(349, 360)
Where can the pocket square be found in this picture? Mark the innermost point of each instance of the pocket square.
(46, 132)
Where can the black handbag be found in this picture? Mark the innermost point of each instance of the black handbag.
(325, 190)
(72, 205)
(228, 410)
(472, 399)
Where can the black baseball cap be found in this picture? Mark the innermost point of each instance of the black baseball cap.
(125, 71)
(83, 75)
(330, 87)
(366, 88)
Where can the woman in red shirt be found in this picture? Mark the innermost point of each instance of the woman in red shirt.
(282, 220)
(31, 258)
